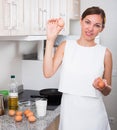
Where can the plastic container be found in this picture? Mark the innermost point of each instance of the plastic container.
(5, 93)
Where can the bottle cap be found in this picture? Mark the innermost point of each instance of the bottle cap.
(12, 76)
(4, 92)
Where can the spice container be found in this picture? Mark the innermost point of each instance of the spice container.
(5, 94)
(1, 105)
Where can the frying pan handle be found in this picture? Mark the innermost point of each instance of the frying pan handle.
(37, 96)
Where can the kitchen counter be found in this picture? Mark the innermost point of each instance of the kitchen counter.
(32, 95)
(8, 123)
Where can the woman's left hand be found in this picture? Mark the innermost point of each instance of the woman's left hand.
(100, 83)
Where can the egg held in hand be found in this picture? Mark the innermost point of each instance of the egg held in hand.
(61, 22)
(101, 83)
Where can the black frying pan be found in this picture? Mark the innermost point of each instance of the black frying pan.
(52, 94)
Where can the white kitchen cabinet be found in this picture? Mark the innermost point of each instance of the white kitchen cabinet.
(74, 9)
(55, 8)
(40, 13)
(29, 17)
(12, 18)
(4, 24)
(64, 13)
(60, 8)
(42, 10)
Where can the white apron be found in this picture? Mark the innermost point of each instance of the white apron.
(82, 107)
(83, 113)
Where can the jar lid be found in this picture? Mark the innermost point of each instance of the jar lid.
(4, 92)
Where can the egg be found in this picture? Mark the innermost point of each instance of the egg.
(11, 112)
(61, 22)
(19, 113)
(18, 118)
(26, 111)
(31, 118)
(101, 83)
(29, 114)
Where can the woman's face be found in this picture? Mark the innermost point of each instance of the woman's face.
(91, 26)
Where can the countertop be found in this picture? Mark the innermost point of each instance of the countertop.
(8, 123)
(31, 95)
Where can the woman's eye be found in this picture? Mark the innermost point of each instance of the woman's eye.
(87, 22)
(98, 26)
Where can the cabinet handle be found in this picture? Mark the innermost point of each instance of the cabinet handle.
(44, 19)
(14, 17)
(6, 15)
(10, 10)
(40, 16)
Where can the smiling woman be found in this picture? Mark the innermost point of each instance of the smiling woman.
(82, 62)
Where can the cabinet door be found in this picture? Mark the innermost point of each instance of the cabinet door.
(12, 18)
(55, 9)
(40, 12)
(19, 19)
(5, 9)
(59, 8)
(64, 8)
(46, 14)
(75, 9)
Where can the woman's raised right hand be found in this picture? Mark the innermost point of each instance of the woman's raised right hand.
(54, 27)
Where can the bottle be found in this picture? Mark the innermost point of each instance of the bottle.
(13, 94)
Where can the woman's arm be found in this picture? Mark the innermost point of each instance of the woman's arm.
(107, 77)
(107, 72)
(51, 62)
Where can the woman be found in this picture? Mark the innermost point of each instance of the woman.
(83, 64)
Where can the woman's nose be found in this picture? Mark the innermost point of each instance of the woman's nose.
(91, 27)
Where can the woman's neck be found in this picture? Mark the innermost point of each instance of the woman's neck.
(86, 43)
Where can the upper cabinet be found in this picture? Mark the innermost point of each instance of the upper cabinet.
(29, 17)
(42, 10)
(12, 19)
(74, 9)
(60, 8)
(40, 13)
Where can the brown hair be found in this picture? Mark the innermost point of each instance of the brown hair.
(95, 10)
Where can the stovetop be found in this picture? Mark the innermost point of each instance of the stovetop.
(32, 95)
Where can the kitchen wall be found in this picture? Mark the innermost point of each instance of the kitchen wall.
(10, 63)
(11, 54)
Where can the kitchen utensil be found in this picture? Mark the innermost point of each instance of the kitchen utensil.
(52, 94)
